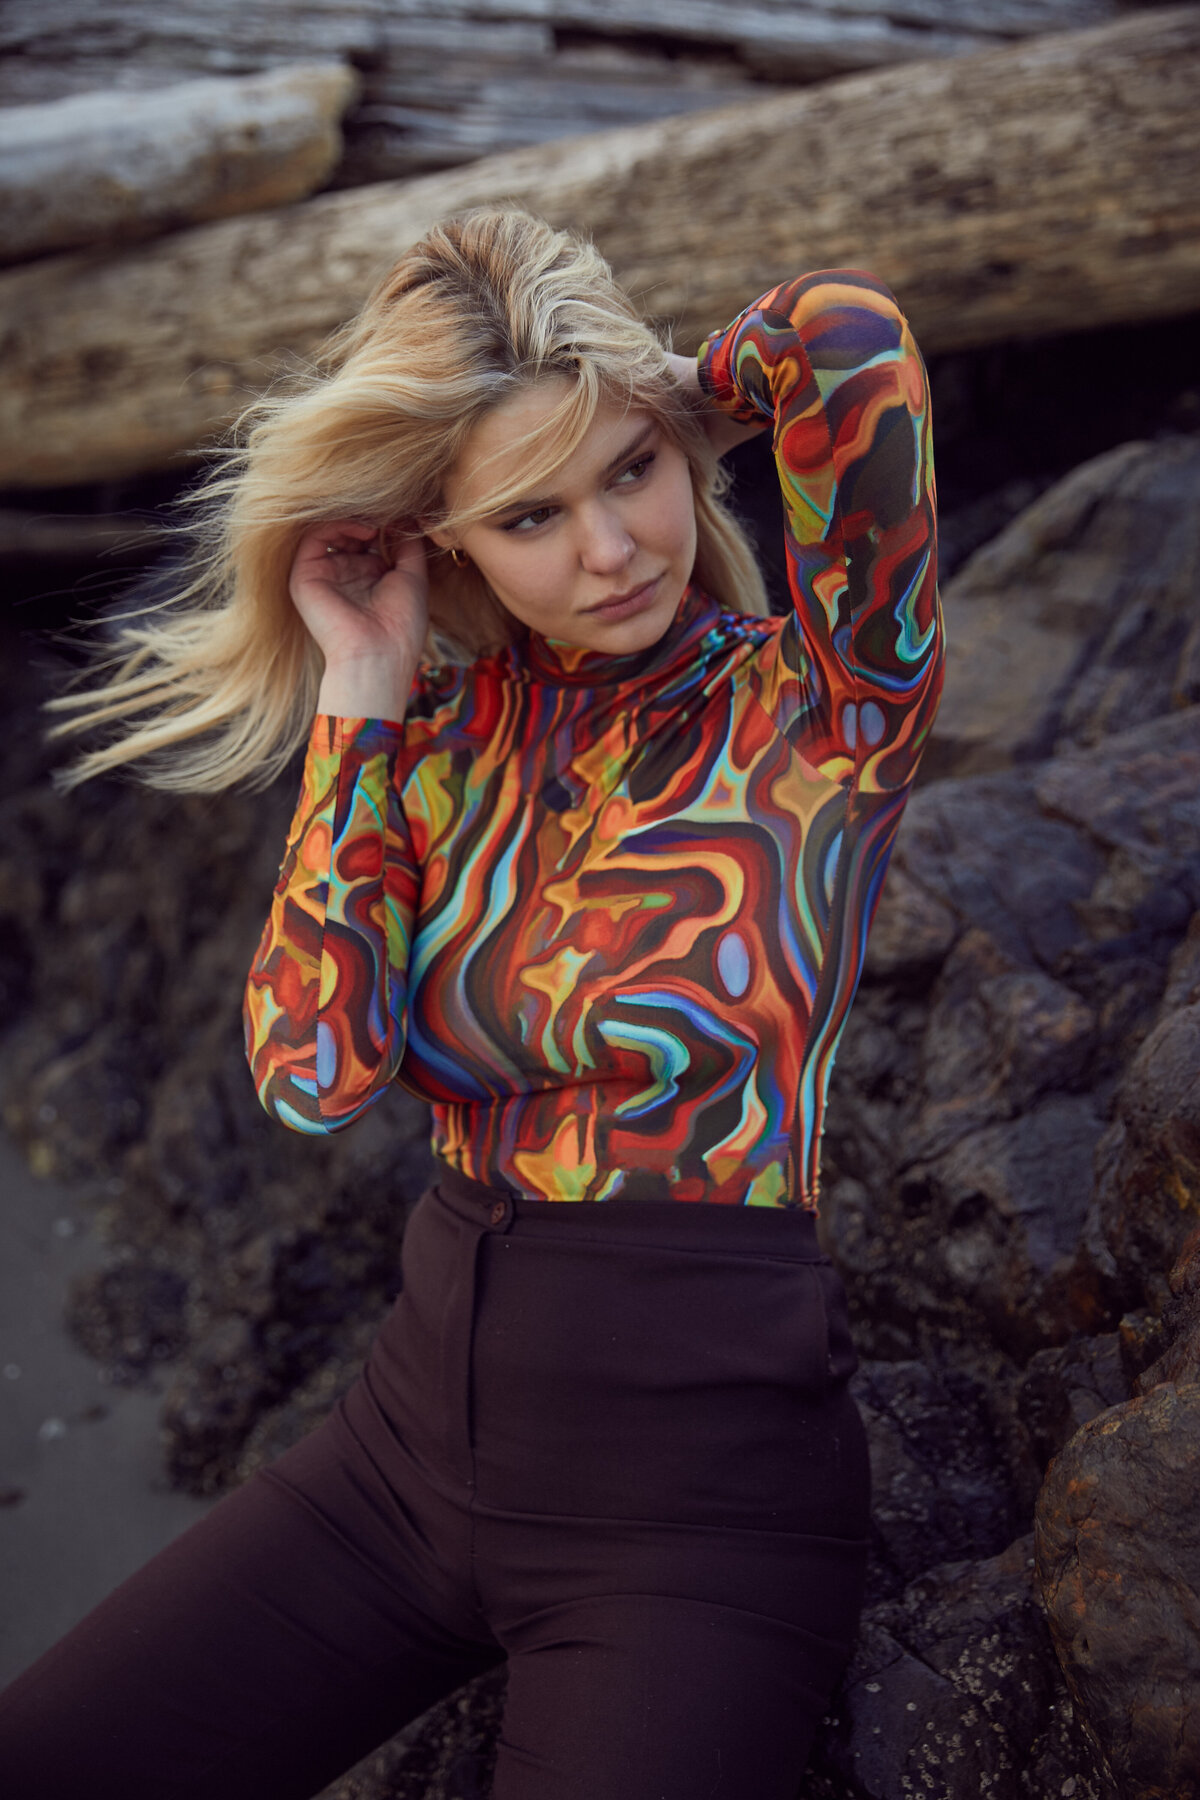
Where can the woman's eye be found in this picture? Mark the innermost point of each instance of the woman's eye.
(635, 470)
(530, 520)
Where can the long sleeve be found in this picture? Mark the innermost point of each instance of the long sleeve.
(325, 999)
(830, 361)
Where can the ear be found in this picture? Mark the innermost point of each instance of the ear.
(444, 540)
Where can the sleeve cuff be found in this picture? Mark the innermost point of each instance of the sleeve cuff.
(715, 372)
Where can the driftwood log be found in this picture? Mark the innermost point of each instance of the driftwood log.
(103, 167)
(446, 81)
(1031, 190)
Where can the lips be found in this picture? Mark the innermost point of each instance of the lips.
(624, 606)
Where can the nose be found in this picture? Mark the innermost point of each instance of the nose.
(605, 546)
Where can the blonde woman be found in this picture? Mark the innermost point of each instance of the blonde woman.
(585, 854)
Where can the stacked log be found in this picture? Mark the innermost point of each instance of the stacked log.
(1015, 193)
(447, 81)
(107, 167)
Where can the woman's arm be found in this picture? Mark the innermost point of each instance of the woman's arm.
(723, 432)
(326, 996)
(829, 362)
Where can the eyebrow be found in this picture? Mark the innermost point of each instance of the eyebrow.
(515, 509)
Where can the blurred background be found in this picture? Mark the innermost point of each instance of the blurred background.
(190, 198)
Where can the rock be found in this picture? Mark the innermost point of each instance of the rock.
(110, 167)
(953, 1691)
(447, 1754)
(130, 1315)
(1079, 619)
(970, 1100)
(304, 1408)
(1147, 1193)
(1179, 1361)
(1118, 1557)
(212, 1403)
(938, 1482)
(126, 1065)
(1065, 1386)
(1004, 1208)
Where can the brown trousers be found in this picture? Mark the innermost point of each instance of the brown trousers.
(612, 1444)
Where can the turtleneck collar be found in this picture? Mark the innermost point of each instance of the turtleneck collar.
(568, 665)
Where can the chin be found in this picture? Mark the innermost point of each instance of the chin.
(625, 637)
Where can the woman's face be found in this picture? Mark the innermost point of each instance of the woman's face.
(601, 559)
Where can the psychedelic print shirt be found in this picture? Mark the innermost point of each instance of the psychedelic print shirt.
(607, 914)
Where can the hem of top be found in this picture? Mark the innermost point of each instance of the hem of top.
(481, 1193)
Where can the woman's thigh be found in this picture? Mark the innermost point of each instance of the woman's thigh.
(261, 1654)
(652, 1697)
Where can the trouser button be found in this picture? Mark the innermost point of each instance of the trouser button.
(499, 1212)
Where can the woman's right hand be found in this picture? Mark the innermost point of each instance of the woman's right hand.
(364, 598)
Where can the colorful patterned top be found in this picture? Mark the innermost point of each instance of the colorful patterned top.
(607, 914)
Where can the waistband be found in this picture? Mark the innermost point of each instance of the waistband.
(789, 1232)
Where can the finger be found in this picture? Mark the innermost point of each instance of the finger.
(408, 555)
(338, 537)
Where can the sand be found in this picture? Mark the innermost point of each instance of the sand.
(83, 1499)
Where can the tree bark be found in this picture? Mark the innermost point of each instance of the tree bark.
(105, 167)
(1030, 190)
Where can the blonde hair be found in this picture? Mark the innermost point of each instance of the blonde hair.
(217, 684)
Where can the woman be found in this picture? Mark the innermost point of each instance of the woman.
(595, 879)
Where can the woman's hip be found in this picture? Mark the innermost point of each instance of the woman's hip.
(641, 1361)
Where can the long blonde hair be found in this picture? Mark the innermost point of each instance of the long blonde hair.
(217, 684)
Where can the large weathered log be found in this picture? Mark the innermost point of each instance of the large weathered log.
(204, 34)
(108, 166)
(446, 81)
(1030, 190)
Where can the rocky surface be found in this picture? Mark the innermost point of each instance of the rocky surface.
(1012, 1160)
(1118, 1551)
(1080, 617)
(1119, 1561)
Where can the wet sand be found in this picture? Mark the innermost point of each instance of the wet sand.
(83, 1499)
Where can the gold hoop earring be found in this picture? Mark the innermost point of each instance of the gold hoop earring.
(459, 558)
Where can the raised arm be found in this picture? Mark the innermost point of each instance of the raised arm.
(326, 995)
(829, 362)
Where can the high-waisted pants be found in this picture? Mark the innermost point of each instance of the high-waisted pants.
(611, 1443)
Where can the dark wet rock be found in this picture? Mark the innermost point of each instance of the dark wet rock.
(954, 1691)
(448, 1754)
(212, 1404)
(1179, 1326)
(939, 1485)
(1142, 1338)
(1064, 1387)
(1078, 618)
(967, 1113)
(1147, 1192)
(1118, 1552)
(130, 1314)
(281, 1426)
(1118, 1548)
